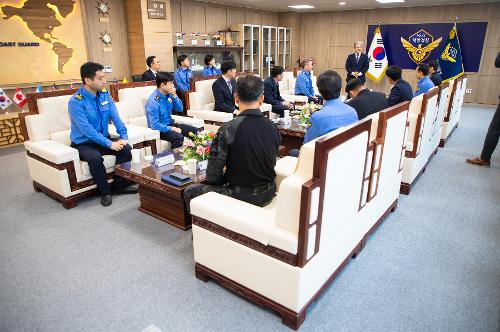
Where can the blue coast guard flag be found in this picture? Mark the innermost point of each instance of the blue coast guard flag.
(377, 57)
(450, 60)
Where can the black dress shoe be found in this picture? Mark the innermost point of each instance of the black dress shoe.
(106, 200)
(131, 189)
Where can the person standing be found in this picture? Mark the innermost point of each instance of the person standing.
(91, 109)
(357, 63)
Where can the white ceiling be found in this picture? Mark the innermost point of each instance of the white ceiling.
(327, 5)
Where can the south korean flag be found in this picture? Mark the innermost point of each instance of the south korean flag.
(5, 101)
(377, 57)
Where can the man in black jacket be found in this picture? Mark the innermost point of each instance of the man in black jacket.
(224, 88)
(357, 64)
(243, 154)
(401, 90)
(364, 101)
(154, 67)
(433, 74)
(272, 92)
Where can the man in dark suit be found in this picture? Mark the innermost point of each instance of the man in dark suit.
(272, 92)
(364, 101)
(401, 90)
(154, 67)
(433, 74)
(224, 88)
(357, 64)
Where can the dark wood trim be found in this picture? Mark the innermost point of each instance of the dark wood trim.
(24, 128)
(268, 250)
(442, 141)
(304, 226)
(405, 188)
(34, 96)
(114, 88)
(421, 118)
(289, 317)
(67, 202)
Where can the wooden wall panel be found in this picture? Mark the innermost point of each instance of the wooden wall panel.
(269, 18)
(253, 17)
(472, 83)
(175, 9)
(235, 16)
(118, 58)
(293, 21)
(317, 28)
(215, 19)
(193, 17)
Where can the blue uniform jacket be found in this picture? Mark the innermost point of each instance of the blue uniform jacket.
(182, 77)
(303, 84)
(210, 71)
(424, 85)
(333, 115)
(90, 115)
(159, 110)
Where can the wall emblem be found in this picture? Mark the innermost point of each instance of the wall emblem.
(419, 45)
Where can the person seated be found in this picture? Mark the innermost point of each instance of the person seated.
(401, 90)
(363, 100)
(159, 107)
(154, 67)
(224, 88)
(424, 82)
(272, 92)
(303, 83)
(335, 113)
(210, 69)
(357, 63)
(433, 74)
(243, 153)
(183, 75)
(90, 110)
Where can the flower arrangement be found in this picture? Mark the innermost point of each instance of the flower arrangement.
(198, 146)
(216, 36)
(179, 35)
(306, 112)
(204, 36)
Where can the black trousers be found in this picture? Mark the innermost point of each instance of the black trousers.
(176, 139)
(181, 95)
(92, 154)
(260, 199)
(315, 99)
(491, 140)
(279, 109)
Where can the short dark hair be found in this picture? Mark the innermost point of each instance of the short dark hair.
(329, 84)
(208, 58)
(249, 88)
(353, 84)
(277, 70)
(423, 68)
(88, 70)
(150, 60)
(394, 72)
(227, 66)
(181, 58)
(163, 77)
(434, 64)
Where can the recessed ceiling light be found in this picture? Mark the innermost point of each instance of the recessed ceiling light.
(301, 6)
(389, 1)
(342, 3)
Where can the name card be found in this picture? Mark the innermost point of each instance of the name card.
(194, 42)
(219, 43)
(202, 165)
(207, 42)
(168, 159)
(180, 42)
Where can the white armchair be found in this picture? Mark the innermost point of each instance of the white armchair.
(283, 256)
(455, 100)
(54, 166)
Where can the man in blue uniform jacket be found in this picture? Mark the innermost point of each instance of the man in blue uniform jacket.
(90, 111)
(159, 109)
(303, 83)
(424, 82)
(334, 114)
(401, 90)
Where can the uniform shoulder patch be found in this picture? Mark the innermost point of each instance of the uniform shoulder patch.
(78, 96)
(157, 98)
(104, 90)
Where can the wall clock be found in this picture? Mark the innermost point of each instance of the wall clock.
(106, 38)
(102, 8)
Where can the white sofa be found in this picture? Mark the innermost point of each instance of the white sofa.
(283, 255)
(54, 166)
(131, 107)
(425, 121)
(456, 92)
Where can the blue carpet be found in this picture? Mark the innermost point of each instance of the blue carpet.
(433, 265)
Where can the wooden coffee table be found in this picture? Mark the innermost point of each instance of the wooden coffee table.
(292, 137)
(157, 198)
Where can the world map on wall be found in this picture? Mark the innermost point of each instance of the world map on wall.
(41, 19)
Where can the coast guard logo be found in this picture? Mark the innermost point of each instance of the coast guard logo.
(450, 52)
(419, 45)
